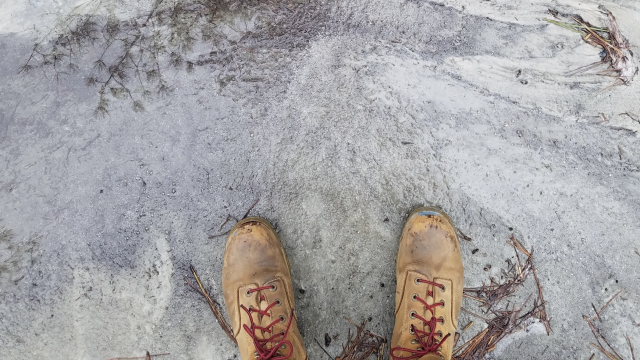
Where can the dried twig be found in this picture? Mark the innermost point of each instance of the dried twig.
(596, 333)
(229, 217)
(607, 304)
(464, 236)
(474, 314)
(218, 235)
(467, 326)
(633, 356)
(215, 307)
(607, 350)
(323, 349)
(542, 311)
(251, 208)
(146, 357)
(595, 312)
(516, 244)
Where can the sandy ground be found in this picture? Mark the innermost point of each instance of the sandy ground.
(381, 106)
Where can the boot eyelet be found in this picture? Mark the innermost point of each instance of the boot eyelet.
(411, 331)
(442, 288)
(441, 320)
(282, 319)
(274, 287)
(283, 346)
(256, 354)
(282, 333)
(248, 293)
(439, 333)
(419, 349)
(417, 281)
(278, 302)
(412, 315)
(414, 297)
(414, 341)
(442, 302)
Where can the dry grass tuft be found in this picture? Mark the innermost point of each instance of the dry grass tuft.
(615, 53)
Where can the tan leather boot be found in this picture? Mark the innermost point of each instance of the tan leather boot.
(256, 282)
(429, 292)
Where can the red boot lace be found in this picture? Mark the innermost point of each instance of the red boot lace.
(262, 351)
(427, 340)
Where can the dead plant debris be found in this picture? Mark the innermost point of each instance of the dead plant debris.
(359, 347)
(231, 217)
(503, 320)
(130, 57)
(146, 357)
(363, 345)
(615, 53)
(133, 54)
(602, 344)
(464, 236)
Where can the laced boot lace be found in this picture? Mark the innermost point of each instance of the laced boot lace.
(427, 340)
(277, 341)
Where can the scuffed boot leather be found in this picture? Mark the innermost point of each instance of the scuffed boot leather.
(429, 276)
(256, 282)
